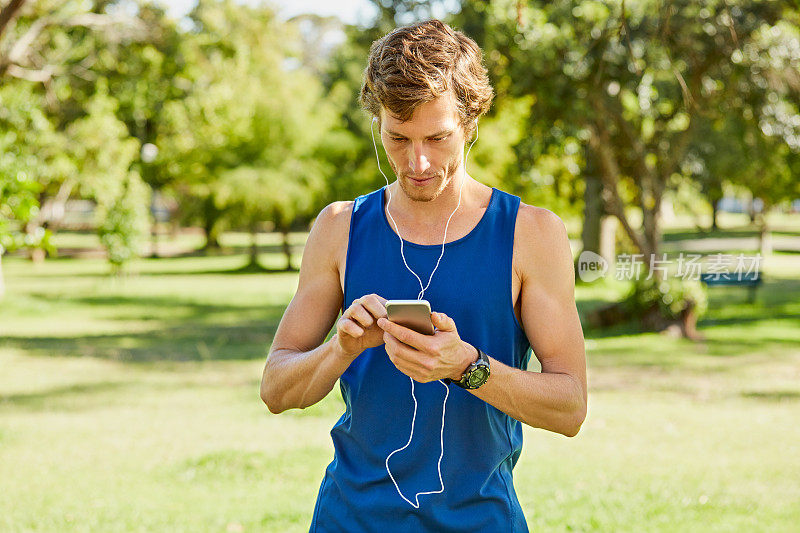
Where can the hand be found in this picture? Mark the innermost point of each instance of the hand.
(426, 358)
(356, 330)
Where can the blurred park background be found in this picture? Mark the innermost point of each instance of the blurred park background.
(161, 164)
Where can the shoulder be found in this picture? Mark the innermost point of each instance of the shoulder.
(541, 243)
(335, 214)
(539, 227)
(329, 232)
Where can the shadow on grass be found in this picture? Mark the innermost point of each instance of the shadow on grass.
(182, 331)
(245, 268)
(158, 307)
(773, 396)
(670, 236)
(737, 232)
(184, 342)
(257, 268)
(55, 397)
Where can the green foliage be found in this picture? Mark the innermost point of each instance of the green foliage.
(261, 193)
(18, 204)
(635, 85)
(30, 156)
(104, 156)
(251, 121)
(672, 296)
(124, 222)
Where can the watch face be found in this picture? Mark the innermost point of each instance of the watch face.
(478, 376)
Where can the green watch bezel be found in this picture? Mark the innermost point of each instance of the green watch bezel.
(475, 370)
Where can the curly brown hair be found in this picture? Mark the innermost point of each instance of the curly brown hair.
(415, 64)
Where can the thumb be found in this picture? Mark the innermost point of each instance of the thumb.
(443, 322)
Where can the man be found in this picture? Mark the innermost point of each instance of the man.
(422, 454)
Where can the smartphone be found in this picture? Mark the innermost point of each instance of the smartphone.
(413, 314)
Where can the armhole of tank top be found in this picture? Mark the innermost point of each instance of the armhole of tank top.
(347, 255)
(510, 280)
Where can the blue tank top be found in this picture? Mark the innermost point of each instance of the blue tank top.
(481, 443)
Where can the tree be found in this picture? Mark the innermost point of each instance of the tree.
(49, 58)
(631, 82)
(29, 148)
(18, 193)
(252, 114)
(628, 80)
(104, 158)
(143, 74)
(280, 195)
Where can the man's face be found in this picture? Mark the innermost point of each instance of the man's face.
(426, 151)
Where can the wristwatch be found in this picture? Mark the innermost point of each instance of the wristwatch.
(476, 374)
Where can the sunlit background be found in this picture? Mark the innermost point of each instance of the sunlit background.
(160, 168)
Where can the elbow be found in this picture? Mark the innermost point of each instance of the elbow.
(274, 407)
(576, 421)
(271, 400)
(271, 394)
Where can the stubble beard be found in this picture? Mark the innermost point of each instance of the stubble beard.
(432, 190)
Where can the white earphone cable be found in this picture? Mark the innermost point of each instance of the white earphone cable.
(415, 504)
(397, 229)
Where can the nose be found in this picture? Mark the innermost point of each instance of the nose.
(418, 161)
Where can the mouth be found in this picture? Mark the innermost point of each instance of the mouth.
(420, 181)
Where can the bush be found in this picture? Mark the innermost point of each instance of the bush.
(672, 296)
(124, 222)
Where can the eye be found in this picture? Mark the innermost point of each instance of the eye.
(439, 139)
(398, 139)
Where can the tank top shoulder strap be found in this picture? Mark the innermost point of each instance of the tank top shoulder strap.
(367, 206)
(502, 219)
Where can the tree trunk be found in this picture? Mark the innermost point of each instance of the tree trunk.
(714, 212)
(8, 13)
(37, 255)
(154, 239)
(651, 207)
(592, 214)
(253, 245)
(651, 238)
(608, 240)
(600, 143)
(764, 235)
(210, 218)
(287, 249)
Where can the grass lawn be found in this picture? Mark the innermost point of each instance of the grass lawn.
(132, 405)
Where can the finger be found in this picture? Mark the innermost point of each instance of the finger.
(412, 373)
(416, 373)
(349, 327)
(442, 322)
(405, 356)
(375, 305)
(405, 335)
(361, 315)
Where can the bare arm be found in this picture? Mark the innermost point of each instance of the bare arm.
(300, 369)
(556, 398)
